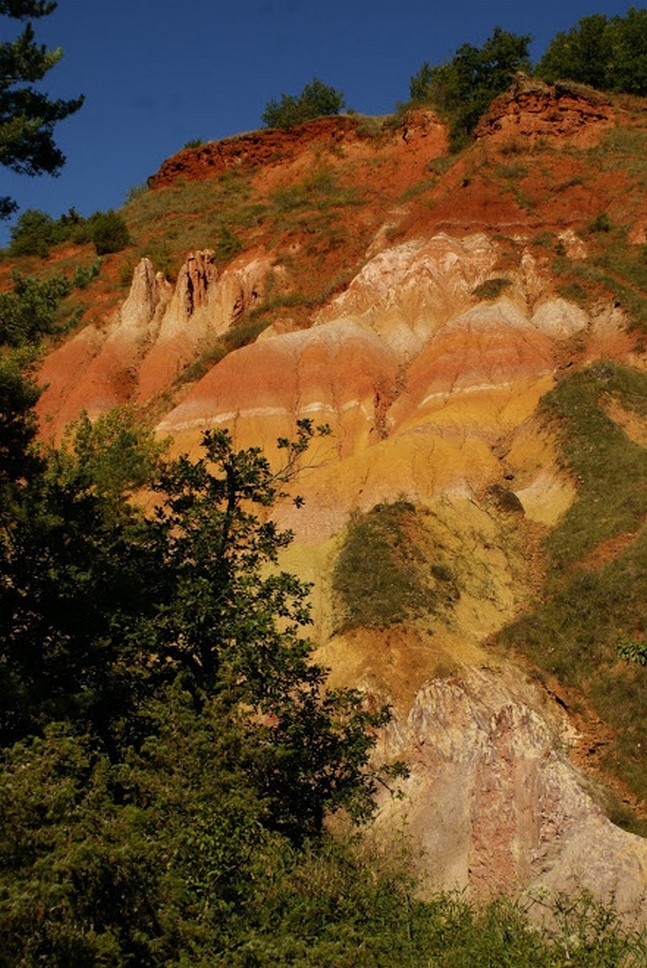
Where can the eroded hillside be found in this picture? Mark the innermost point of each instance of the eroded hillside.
(472, 329)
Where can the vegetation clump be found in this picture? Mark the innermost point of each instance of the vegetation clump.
(109, 232)
(593, 600)
(607, 53)
(461, 88)
(491, 288)
(316, 100)
(387, 572)
(32, 309)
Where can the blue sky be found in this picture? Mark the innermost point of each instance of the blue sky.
(158, 74)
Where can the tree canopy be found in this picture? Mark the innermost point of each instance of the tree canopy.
(607, 53)
(316, 100)
(462, 88)
(27, 115)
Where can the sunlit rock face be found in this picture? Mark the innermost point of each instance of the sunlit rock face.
(493, 800)
(149, 341)
(419, 367)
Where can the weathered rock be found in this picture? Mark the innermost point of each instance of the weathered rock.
(494, 800)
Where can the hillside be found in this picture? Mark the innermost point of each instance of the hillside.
(472, 328)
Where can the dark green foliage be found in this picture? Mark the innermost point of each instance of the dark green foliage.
(633, 651)
(109, 232)
(114, 455)
(491, 288)
(102, 605)
(601, 223)
(462, 88)
(375, 580)
(35, 232)
(316, 100)
(18, 394)
(27, 115)
(609, 54)
(32, 309)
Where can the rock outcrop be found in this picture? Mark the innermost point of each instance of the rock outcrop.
(494, 801)
(151, 339)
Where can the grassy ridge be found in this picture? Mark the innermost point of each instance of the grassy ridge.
(596, 586)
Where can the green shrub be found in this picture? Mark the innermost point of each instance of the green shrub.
(316, 100)
(36, 232)
(30, 310)
(33, 234)
(600, 223)
(491, 288)
(109, 232)
(375, 580)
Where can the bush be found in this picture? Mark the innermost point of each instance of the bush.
(315, 101)
(33, 234)
(491, 288)
(375, 581)
(109, 232)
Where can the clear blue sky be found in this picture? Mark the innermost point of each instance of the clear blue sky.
(158, 74)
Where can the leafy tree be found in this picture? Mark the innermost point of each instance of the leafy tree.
(609, 54)
(109, 232)
(27, 115)
(36, 232)
(30, 310)
(582, 54)
(462, 88)
(18, 394)
(115, 454)
(102, 606)
(316, 100)
(33, 234)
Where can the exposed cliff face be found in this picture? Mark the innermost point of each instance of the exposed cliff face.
(495, 802)
(556, 112)
(155, 334)
(428, 361)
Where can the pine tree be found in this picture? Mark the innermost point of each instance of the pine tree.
(28, 116)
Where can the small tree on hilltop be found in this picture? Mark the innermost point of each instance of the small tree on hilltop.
(315, 101)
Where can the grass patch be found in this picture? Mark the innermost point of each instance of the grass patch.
(574, 292)
(491, 288)
(614, 269)
(439, 166)
(383, 575)
(190, 215)
(419, 189)
(587, 609)
(511, 172)
(611, 469)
